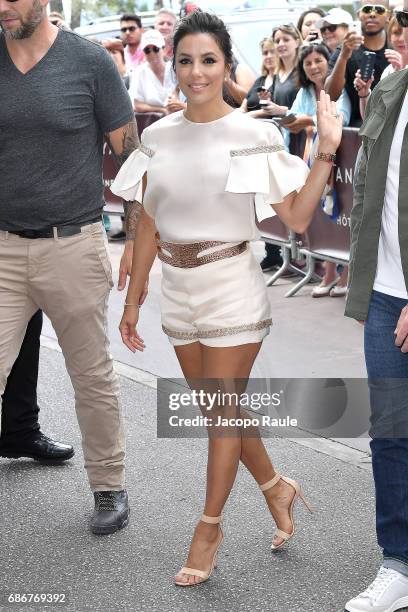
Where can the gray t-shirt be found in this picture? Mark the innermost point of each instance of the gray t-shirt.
(52, 122)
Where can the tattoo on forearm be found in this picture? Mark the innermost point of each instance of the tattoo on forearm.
(129, 142)
(121, 149)
(132, 214)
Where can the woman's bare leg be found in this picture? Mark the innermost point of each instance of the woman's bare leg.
(224, 448)
(200, 362)
(253, 452)
(330, 273)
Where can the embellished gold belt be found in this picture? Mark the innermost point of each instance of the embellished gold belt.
(186, 255)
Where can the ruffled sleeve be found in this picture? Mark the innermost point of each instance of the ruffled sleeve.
(128, 182)
(268, 171)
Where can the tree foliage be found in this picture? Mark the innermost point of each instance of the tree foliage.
(92, 9)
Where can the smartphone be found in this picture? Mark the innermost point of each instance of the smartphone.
(313, 36)
(261, 88)
(356, 27)
(286, 120)
(264, 102)
(367, 65)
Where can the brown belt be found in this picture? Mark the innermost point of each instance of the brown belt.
(186, 255)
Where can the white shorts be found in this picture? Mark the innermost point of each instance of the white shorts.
(221, 303)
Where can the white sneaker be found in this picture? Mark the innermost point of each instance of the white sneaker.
(388, 593)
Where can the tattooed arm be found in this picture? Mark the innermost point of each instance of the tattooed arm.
(122, 142)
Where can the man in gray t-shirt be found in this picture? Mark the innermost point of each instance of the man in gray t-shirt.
(59, 96)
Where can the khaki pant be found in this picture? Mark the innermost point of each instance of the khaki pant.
(70, 280)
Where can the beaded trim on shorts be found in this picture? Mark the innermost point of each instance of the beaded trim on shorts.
(216, 333)
(146, 150)
(255, 150)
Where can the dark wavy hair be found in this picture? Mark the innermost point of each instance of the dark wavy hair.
(129, 17)
(316, 9)
(306, 50)
(205, 23)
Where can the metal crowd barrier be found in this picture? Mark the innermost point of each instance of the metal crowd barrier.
(325, 239)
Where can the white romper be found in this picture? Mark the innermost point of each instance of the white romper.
(204, 183)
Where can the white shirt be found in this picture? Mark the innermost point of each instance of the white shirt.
(389, 278)
(205, 180)
(146, 87)
(390, 70)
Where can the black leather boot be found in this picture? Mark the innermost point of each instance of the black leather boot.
(111, 512)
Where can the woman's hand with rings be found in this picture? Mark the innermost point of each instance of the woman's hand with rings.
(363, 88)
(329, 124)
(127, 328)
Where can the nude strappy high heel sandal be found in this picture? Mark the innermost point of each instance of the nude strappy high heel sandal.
(212, 520)
(298, 494)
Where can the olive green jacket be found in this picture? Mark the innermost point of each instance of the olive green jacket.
(369, 188)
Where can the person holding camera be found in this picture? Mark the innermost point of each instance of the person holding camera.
(258, 98)
(312, 70)
(307, 23)
(397, 57)
(334, 27)
(348, 58)
(275, 96)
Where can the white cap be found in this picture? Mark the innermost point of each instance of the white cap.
(153, 38)
(336, 16)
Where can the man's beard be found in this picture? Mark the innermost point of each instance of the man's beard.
(28, 26)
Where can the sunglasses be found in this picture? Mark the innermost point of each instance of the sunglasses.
(150, 49)
(123, 30)
(402, 18)
(373, 8)
(328, 28)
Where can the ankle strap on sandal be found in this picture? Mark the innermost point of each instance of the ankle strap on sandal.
(271, 483)
(212, 520)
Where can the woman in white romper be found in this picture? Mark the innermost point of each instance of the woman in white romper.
(201, 175)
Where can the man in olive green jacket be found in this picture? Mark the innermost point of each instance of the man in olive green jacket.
(378, 296)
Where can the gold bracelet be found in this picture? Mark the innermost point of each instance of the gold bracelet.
(126, 304)
(326, 157)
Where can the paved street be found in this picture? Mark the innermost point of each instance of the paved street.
(46, 543)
